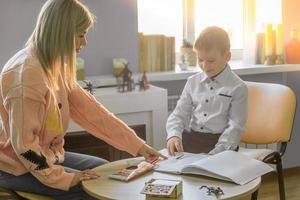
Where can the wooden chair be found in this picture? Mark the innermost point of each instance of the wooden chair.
(271, 112)
(6, 194)
(31, 196)
(17, 195)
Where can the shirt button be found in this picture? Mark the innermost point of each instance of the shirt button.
(206, 100)
(211, 88)
(205, 114)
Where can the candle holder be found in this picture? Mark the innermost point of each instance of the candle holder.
(269, 60)
(279, 60)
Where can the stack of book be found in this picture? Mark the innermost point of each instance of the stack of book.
(156, 53)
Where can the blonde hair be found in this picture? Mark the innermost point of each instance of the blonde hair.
(213, 37)
(53, 38)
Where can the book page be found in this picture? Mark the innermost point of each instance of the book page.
(175, 164)
(194, 169)
(230, 164)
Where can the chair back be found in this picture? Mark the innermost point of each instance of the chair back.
(271, 111)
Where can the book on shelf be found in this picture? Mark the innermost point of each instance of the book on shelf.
(156, 53)
(227, 165)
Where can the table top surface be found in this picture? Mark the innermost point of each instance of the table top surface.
(106, 188)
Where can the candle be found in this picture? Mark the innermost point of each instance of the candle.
(279, 45)
(269, 39)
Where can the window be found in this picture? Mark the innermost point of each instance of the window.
(266, 15)
(226, 14)
(187, 18)
(167, 17)
(158, 17)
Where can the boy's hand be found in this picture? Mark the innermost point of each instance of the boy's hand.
(217, 149)
(220, 148)
(174, 144)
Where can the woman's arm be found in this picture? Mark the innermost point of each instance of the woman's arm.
(97, 120)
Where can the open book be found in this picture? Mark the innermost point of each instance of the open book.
(227, 165)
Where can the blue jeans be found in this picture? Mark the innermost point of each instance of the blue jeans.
(74, 162)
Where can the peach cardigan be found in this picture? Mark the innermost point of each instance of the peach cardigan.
(35, 119)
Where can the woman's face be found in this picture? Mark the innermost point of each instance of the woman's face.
(80, 40)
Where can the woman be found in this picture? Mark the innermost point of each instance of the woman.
(39, 94)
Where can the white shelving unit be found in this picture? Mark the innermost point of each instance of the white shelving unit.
(149, 108)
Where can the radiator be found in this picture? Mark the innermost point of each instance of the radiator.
(172, 101)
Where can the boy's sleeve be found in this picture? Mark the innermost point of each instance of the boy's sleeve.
(97, 120)
(26, 108)
(237, 119)
(181, 116)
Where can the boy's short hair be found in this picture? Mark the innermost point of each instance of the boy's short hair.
(213, 37)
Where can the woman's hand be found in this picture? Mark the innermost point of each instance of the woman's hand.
(83, 176)
(174, 144)
(149, 153)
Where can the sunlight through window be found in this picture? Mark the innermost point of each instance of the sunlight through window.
(166, 17)
(226, 14)
(161, 17)
(266, 14)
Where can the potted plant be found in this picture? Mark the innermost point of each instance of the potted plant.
(187, 53)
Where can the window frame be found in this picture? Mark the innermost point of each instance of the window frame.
(189, 26)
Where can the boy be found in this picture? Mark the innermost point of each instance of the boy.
(213, 103)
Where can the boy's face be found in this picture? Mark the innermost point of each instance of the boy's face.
(212, 61)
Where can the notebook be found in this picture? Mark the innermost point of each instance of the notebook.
(227, 165)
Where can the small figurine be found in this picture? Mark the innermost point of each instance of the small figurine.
(89, 86)
(144, 84)
(126, 81)
(212, 190)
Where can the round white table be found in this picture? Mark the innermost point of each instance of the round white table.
(106, 188)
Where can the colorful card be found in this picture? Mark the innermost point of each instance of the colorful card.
(162, 188)
(132, 172)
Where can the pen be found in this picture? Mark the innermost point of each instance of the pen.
(179, 156)
(154, 162)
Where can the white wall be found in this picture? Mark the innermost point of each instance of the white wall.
(114, 34)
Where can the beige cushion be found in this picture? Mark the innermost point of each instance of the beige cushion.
(258, 154)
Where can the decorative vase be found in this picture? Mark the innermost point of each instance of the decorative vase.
(190, 55)
(292, 48)
(118, 66)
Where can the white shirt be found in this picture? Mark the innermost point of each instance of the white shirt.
(212, 105)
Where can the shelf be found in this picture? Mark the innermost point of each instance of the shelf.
(237, 66)
(149, 108)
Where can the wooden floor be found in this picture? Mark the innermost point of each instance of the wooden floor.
(269, 186)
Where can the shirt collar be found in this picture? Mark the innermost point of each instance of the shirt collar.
(223, 75)
(204, 77)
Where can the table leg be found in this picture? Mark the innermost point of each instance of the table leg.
(254, 195)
